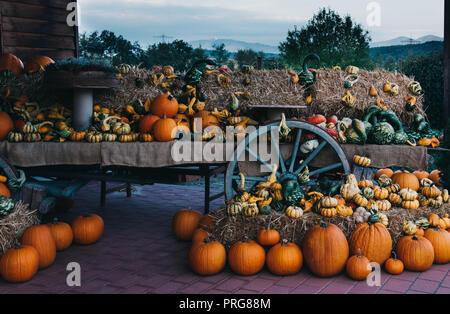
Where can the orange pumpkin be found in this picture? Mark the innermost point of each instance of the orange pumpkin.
(358, 267)
(6, 125)
(87, 229)
(207, 119)
(200, 234)
(285, 258)
(40, 237)
(386, 171)
(325, 249)
(165, 129)
(37, 64)
(394, 266)
(268, 237)
(147, 122)
(374, 241)
(207, 257)
(246, 258)
(19, 265)
(183, 120)
(4, 190)
(440, 239)
(435, 176)
(207, 221)
(164, 105)
(9, 62)
(416, 253)
(62, 234)
(406, 180)
(421, 175)
(184, 223)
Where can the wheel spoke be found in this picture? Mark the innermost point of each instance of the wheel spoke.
(277, 148)
(255, 179)
(325, 169)
(311, 157)
(294, 152)
(258, 158)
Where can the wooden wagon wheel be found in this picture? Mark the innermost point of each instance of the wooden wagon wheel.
(289, 168)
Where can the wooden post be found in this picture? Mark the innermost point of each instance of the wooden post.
(447, 62)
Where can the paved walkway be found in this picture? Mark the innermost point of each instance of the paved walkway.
(138, 254)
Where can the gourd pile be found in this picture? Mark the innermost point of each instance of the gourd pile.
(325, 249)
(39, 244)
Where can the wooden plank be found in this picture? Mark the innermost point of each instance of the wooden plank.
(26, 53)
(33, 11)
(13, 39)
(22, 25)
(1, 31)
(58, 4)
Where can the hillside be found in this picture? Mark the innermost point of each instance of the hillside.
(402, 51)
(234, 45)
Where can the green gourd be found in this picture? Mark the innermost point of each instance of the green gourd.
(306, 77)
(382, 134)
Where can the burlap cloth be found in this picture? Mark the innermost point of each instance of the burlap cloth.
(155, 155)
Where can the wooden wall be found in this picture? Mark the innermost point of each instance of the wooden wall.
(447, 62)
(37, 27)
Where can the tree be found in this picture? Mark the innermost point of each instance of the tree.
(338, 41)
(220, 54)
(246, 57)
(429, 71)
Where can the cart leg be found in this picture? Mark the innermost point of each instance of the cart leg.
(103, 194)
(207, 188)
(128, 190)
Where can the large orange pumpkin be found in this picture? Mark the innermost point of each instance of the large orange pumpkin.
(207, 257)
(285, 258)
(374, 241)
(406, 180)
(19, 265)
(325, 249)
(62, 234)
(164, 105)
(147, 122)
(9, 62)
(87, 229)
(41, 239)
(416, 253)
(440, 239)
(246, 258)
(37, 64)
(165, 129)
(184, 223)
(6, 125)
(4, 190)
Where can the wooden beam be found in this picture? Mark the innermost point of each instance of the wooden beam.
(447, 61)
(1, 31)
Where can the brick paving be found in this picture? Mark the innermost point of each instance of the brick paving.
(138, 254)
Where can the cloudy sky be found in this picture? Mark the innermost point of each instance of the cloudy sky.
(263, 21)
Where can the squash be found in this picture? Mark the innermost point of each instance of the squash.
(440, 239)
(147, 122)
(384, 205)
(19, 264)
(358, 267)
(235, 208)
(250, 210)
(395, 199)
(394, 188)
(268, 237)
(294, 212)
(368, 193)
(328, 212)
(62, 234)
(409, 228)
(77, 136)
(361, 161)
(37, 64)
(388, 172)
(164, 105)
(408, 194)
(9, 62)
(394, 266)
(343, 210)
(380, 193)
(41, 239)
(411, 204)
(109, 137)
(360, 200)
(365, 184)
(406, 180)
(94, 137)
(431, 191)
(382, 133)
(384, 181)
(184, 223)
(165, 129)
(435, 176)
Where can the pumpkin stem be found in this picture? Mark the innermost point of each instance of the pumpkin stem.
(207, 240)
(55, 220)
(394, 255)
(323, 225)
(359, 253)
(284, 242)
(415, 238)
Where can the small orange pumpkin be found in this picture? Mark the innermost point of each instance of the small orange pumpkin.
(62, 234)
(164, 105)
(268, 237)
(9, 62)
(184, 223)
(165, 129)
(37, 64)
(87, 229)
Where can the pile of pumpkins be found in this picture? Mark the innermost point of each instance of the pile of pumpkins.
(10, 64)
(324, 249)
(40, 243)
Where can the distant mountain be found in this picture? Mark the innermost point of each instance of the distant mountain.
(402, 40)
(400, 51)
(234, 45)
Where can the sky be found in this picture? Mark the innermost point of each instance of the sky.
(262, 21)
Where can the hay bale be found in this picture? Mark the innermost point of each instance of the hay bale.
(13, 226)
(229, 230)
